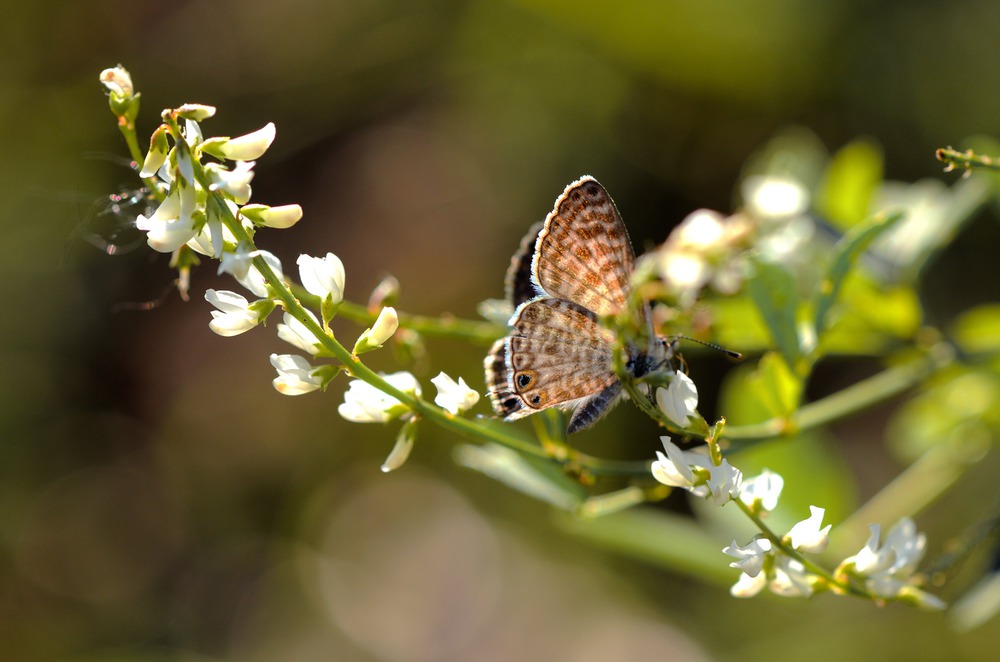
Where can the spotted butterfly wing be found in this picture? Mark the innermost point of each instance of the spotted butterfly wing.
(557, 354)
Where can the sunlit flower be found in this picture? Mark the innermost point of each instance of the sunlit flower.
(774, 197)
(279, 217)
(791, 579)
(747, 586)
(255, 282)
(674, 468)
(749, 559)
(164, 236)
(401, 449)
(295, 375)
(383, 328)
(873, 558)
(724, 482)
(294, 332)
(118, 82)
(192, 132)
(323, 276)
(363, 403)
(158, 149)
(214, 233)
(242, 148)
(762, 490)
(454, 396)
(235, 182)
(679, 400)
(807, 536)
(195, 112)
(237, 262)
(233, 316)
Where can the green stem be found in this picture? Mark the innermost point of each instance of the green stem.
(791, 552)
(464, 426)
(471, 331)
(851, 400)
(966, 160)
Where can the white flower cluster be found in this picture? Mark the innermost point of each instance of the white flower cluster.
(885, 570)
(707, 249)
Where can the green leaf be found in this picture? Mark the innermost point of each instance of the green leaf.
(773, 290)
(978, 330)
(850, 181)
(961, 409)
(845, 255)
(736, 324)
(753, 395)
(531, 476)
(663, 539)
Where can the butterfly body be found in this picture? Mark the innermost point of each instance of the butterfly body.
(557, 354)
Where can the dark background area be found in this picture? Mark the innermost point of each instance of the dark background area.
(159, 500)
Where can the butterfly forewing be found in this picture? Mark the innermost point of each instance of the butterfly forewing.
(518, 284)
(583, 252)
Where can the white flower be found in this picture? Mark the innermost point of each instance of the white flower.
(118, 81)
(806, 536)
(872, 559)
(192, 130)
(401, 449)
(255, 282)
(724, 482)
(363, 403)
(749, 559)
(164, 236)
(157, 154)
(243, 148)
(322, 276)
(380, 331)
(237, 262)
(774, 197)
(185, 168)
(747, 586)
(908, 546)
(763, 489)
(294, 375)
(679, 401)
(279, 217)
(235, 182)
(233, 316)
(790, 580)
(195, 112)
(455, 397)
(888, 568)
(674, 468)
(294, 332)
(214, 233)
(702, 230)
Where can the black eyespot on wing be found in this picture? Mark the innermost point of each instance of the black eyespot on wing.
(524, 380)
(536, 399)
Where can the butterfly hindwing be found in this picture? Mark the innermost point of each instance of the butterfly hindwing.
(556, 355)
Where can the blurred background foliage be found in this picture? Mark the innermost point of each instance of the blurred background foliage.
(159, 500)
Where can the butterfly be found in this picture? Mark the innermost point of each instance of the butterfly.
(569, 272)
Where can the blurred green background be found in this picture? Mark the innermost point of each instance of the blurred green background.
(160, 501)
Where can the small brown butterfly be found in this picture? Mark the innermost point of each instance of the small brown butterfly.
(570, 271)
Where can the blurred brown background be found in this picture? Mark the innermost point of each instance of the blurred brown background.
(160, 501)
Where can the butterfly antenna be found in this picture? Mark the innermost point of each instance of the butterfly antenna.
(728, 352)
